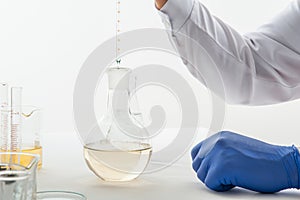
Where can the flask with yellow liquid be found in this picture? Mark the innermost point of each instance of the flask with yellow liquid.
(123, 151)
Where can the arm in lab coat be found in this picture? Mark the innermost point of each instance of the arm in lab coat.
(258, 68)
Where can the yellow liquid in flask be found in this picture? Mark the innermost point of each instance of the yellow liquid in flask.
(117, 161)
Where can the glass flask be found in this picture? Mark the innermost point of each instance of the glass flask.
(124, 150)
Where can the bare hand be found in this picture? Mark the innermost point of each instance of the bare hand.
(160, 3)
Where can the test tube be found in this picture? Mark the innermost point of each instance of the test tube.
(16, 118)
(3, 116)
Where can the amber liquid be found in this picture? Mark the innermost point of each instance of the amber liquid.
(35, 150)
(24, 160)
(123, 162)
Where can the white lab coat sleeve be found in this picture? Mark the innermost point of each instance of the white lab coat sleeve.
(261, 67)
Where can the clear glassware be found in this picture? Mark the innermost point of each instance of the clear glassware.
(59, 195)
(124, 151)
(18, 176)
(30, 133)
(3, 116)
(16, 119)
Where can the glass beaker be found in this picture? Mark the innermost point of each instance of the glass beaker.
(29, 130)
(18, 180)
(124, 151)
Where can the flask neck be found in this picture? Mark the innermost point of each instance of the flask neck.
(118, 101)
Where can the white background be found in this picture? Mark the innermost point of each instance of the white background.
(44, 43)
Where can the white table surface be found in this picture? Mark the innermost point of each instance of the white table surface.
(65, 169)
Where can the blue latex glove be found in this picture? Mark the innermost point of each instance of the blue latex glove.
(227, 159)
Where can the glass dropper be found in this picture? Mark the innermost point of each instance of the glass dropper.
(118, 40)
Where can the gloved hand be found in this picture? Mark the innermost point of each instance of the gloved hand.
(227, 159)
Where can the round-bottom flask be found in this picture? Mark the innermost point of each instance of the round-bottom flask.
(125, 151)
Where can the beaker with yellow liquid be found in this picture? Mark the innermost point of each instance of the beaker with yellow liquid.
(19, 124)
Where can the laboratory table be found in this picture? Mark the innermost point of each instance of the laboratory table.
(64, 168)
